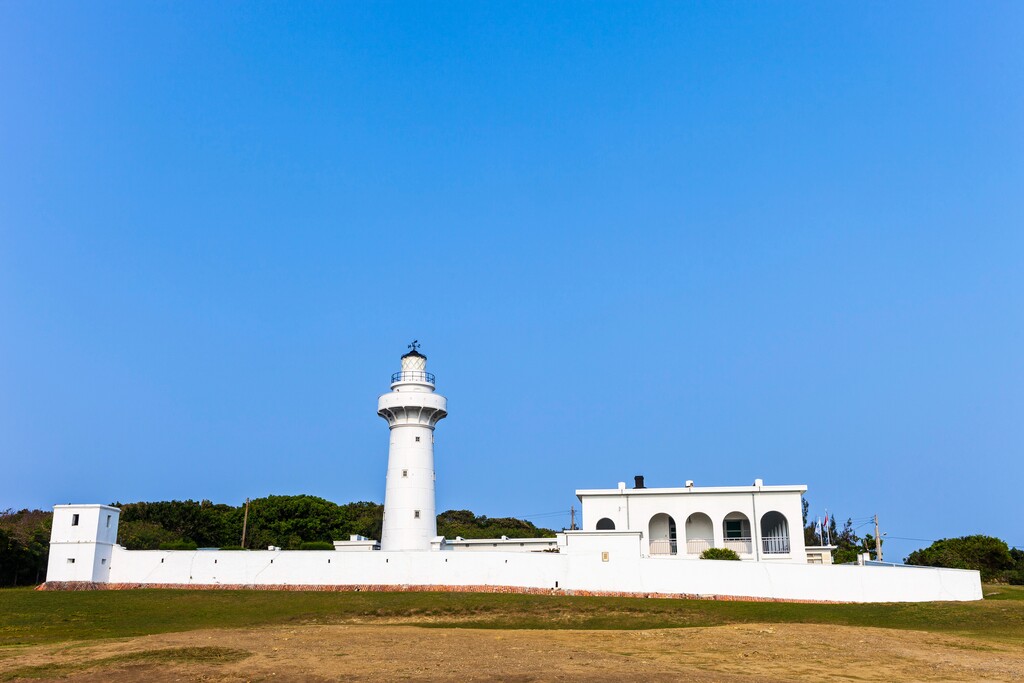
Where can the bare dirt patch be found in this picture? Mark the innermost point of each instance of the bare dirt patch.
(747, 652)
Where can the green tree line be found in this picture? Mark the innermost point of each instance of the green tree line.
(24, 546)
(991, 556)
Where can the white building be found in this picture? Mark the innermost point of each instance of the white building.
(634, 541)
(754, 521)
(82, 542)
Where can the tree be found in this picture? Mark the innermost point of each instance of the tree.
(868, 545)
(810, 530)
(201, 522)
(363, 518)
(1015, 576)
(989, 555)
(289, 521)
(848, 543)
(140, 535)
(24, 546)
(464, 523)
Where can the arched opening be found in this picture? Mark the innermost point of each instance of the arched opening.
(736, 533)
(700, 533)
(774, 533)
(605, 524)
(662, 532)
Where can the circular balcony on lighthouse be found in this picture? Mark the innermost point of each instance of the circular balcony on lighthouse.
(412, 377)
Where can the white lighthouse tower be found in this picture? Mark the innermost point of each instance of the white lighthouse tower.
(411, 409)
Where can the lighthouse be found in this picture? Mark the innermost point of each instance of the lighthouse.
(412, 409)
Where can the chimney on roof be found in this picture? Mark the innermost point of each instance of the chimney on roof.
(639, 481)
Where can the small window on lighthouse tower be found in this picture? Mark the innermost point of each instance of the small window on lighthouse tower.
(416, 514)
(405, 473)
(417, 438)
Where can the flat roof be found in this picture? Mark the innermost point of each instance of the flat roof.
(691, 490)
(87, 505)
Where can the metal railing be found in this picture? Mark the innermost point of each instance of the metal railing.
(413, 376)
(775, 545)
(741, 545)
(695, 546)
(663, 547)
(770, 545)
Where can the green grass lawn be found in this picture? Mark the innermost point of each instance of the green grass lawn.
(31, 617)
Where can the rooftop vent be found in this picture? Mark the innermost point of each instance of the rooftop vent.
(639, 482)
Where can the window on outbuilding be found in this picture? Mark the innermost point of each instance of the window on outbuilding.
(74, 519)
(734, 528)
(605, 524)
(416, 514)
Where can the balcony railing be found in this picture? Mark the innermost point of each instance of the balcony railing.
(413, 376)
(775, 545)
(741, 545)
(695, 546)
(770, 545)
(663, 547)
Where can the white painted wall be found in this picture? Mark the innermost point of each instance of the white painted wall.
(312, 567)
(504, 544)
(627, 571)
(603, 563)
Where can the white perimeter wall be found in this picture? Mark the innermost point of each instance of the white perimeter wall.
(591, 562)
(325, 567)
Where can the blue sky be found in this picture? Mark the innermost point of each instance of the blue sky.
(690, 241)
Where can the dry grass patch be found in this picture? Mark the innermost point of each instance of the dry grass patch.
(177, 655)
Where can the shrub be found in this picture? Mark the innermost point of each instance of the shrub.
(316, 545)
(719, 554)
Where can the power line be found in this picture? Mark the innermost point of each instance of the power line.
(541, 514)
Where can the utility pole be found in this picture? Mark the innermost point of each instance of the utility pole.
(245, 521)
(878, 541)
(572, 518)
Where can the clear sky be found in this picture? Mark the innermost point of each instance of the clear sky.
(685, 240)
